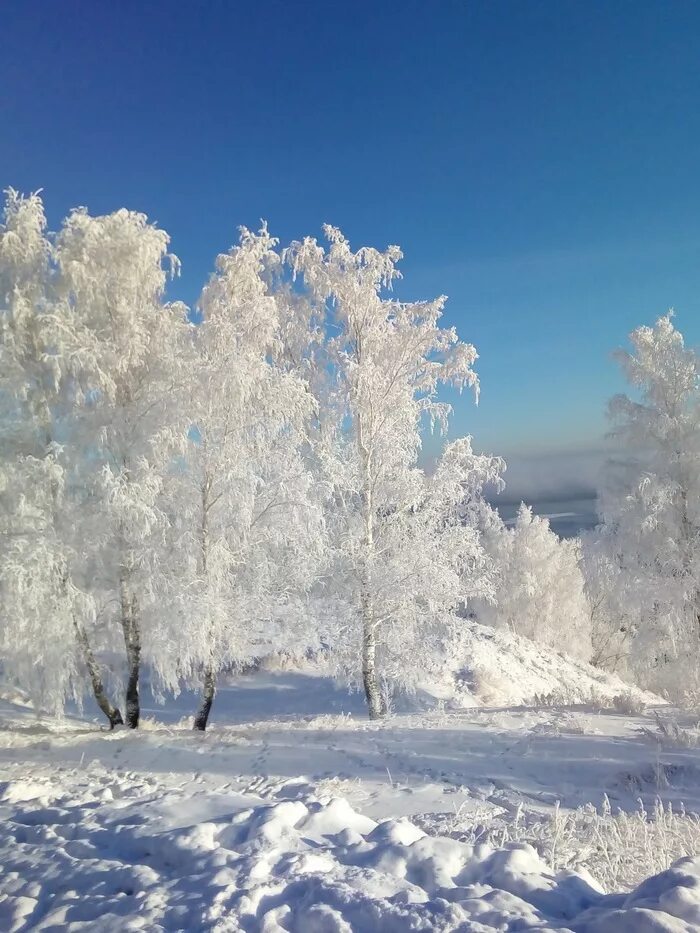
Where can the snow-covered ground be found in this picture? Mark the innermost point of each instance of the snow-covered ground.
(295, 813)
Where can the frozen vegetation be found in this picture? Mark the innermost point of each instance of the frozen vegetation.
(336, 692)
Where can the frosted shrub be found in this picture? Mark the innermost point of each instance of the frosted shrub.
(569, 696)
(539, 586)
(330, 722)
(628, 704)
(553, 698)
(619, 849)
(598, 701)
(669, 733)
(488, 685)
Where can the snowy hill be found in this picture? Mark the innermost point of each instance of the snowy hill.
(500, 668)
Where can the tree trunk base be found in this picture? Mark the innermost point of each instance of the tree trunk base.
(133, 705)
(202, 715)
(115, 719)
(132, 643)
(376, 707)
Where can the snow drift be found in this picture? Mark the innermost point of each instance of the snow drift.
(89, 853)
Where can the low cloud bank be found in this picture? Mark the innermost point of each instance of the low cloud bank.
(552, 475)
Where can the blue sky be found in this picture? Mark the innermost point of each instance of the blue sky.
(537, 162)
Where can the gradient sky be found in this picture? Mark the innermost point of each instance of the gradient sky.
(538, 162)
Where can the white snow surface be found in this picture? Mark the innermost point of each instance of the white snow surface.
(288, 817)
(504, 668)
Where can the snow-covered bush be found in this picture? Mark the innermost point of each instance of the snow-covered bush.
(571, 695)
(628, 703)
(670, 734)
(618, 849)
(488, 684)
(613, 618)
(539, 587)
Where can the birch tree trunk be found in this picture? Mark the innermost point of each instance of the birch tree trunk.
(370, 680)
(370, 677)
(209, 689)
(111, 712)
(689, 536)
(132, 642)
(114, 716)
(209, 686)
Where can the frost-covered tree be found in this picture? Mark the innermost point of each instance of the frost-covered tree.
(46, 612)
(539, 593)
(614, 620)
(402, 557)
(650, 504)
(248, 511)
(112, 274)
(176, 486)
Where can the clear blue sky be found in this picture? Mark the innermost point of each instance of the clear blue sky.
(537, 162)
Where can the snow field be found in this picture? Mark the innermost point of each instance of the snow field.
(99, 851)
(302, 822)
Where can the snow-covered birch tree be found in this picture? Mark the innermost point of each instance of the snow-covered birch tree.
(112, 274)
(248, 506)
(650, 504)
(386, 359)
(45, 610)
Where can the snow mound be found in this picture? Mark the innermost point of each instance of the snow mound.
(501, 668)
(105, 853)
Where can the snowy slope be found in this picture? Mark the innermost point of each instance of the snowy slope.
(499, 667)
(484, 666)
